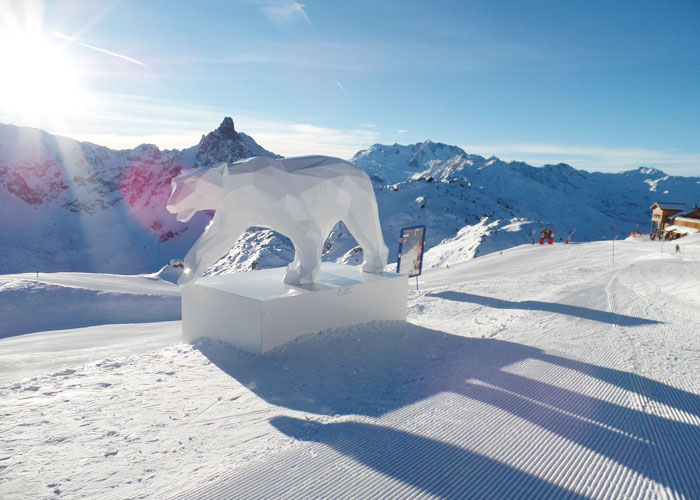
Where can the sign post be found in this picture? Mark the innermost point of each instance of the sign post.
(410, 258)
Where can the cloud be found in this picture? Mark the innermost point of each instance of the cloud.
(341, 87)
(303, 139)
(282, 11)
(401, 131)
(592, 158)
(123, 121)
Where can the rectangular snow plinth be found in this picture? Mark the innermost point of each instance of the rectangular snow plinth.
(256, 311)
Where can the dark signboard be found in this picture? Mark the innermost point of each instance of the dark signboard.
(410, 259)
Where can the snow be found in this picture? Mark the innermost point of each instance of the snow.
(538, 372)
(56, 301)
(462, 247)
(45, 352)
(681, 229)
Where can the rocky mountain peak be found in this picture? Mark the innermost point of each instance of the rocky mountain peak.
(226, 129)
(225, 144)
(225, 132)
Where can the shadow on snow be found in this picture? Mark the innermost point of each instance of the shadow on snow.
(380, 367)
(553, 307)
(435, 467)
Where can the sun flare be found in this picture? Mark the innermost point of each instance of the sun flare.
(39, 79)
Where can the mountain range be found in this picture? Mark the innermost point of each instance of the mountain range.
(69, 205)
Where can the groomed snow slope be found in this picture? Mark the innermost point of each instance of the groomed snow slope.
(544, 372)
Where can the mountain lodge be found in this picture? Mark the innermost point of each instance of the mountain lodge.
(673, 220)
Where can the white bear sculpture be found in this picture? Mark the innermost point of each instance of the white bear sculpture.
(302, 198)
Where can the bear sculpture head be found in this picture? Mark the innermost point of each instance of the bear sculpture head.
(198, 189)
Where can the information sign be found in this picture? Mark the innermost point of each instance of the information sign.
(410, 258)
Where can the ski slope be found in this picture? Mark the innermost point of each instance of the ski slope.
(538, 372)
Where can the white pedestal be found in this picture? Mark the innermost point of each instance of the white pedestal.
(256, 311)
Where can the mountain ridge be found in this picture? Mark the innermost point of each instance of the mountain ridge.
(79, 206)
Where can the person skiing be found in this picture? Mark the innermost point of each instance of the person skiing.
(678, 248)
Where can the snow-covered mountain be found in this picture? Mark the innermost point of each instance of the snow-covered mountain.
(76, 206)
(478, 205)
(69, 205)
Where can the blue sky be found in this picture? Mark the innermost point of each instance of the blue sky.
(605, 86)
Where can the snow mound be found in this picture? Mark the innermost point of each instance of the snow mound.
(33, 305)
(170, 272)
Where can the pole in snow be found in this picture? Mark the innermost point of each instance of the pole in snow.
(613, 246)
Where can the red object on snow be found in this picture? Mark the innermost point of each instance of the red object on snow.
(566, 242)
(542, 242)
(551, 241)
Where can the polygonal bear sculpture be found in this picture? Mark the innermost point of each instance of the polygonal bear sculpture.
(302, 198)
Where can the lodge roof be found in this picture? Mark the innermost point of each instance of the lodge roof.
(693, 213)
(663, 205)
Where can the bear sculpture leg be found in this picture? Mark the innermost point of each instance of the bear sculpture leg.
(213, 244)
(307, 257)
(369, 236)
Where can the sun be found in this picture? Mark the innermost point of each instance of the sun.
(39, 80)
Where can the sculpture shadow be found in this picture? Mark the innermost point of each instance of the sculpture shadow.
(380, 367)
(553, 307)
(440, 469)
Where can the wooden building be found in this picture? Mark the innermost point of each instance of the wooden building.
(673, 220)
(660, 216)
(690, 218)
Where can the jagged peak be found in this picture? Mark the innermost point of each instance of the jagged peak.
(226, 130)
(225, 144)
